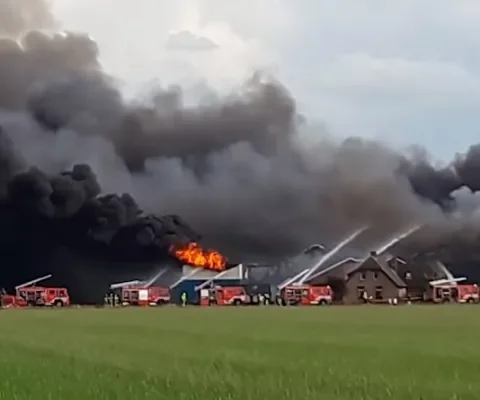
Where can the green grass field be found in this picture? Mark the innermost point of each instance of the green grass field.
(355, 353)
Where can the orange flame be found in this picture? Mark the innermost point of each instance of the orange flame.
(194, 255)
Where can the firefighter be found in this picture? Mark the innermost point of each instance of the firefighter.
(106, 299)
(211, 296)
(111, 300)
(261, 299)
(365, 297)
(184, 299)
(116, 299)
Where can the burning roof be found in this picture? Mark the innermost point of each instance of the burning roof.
(192, 254)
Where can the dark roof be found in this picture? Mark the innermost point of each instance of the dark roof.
(331, 267)
(374, 262)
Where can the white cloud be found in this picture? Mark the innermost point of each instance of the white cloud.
(406, 70)
(186, 40)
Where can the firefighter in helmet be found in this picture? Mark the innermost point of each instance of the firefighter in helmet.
(106, 299)
(184, 299)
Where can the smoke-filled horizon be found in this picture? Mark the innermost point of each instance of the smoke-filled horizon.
(235, 168)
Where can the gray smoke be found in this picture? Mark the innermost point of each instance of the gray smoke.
(19, 16)
(237, 168)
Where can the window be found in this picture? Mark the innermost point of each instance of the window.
(379, 293)
(363, 276)
(375, 275)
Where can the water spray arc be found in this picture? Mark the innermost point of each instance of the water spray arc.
(333, 252)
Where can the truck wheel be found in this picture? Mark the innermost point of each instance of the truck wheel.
(322, 302)
(31, 304)
(58, 303)
(237, 302)
(160, 303)
(470, 300)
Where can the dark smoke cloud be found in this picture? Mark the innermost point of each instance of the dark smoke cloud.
(238, 168)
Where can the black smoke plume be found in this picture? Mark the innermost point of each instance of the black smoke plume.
(239, 169)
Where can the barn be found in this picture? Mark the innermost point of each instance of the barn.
(193, 279)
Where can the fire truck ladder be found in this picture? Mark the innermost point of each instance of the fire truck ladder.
(453, 281)
(152, 280)
(33, 282)
(119, 285)
(185, 277)
(219, 275)
(292, 280)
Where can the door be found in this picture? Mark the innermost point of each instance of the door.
(134, 297)
(306, 297)
(220, 297)
(454, 294)
(437, 294)
(51, 295)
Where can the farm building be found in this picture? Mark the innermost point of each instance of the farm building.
(193, 279)
(352, 277)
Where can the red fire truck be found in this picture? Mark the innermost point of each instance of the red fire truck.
(145, 296)
(223, 296)
(453, 293)
(30, 295)
(305, 295)
(468, 294)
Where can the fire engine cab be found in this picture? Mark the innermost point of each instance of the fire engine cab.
(468, 294)
(305, 295)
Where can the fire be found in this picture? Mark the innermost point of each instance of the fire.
(193, 254)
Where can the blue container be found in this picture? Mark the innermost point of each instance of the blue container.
(193, 296)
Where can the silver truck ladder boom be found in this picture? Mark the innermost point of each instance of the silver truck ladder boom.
(33, 282)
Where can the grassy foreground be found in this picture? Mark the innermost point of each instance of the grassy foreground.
(267, 353)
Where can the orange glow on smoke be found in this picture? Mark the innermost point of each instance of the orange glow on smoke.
(194, 255)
